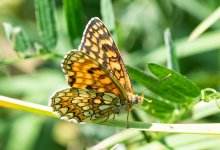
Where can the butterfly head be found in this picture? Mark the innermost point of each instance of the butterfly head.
(137, 99)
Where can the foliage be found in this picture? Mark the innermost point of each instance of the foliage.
(38, 39)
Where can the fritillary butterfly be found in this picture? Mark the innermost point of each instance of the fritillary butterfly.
(100, 86)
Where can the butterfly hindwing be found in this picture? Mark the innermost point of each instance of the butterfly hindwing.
(98, 43)
(84, 105)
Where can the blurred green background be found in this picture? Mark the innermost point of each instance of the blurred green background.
(139, 32)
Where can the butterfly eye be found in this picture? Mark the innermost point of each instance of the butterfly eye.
(135, 99)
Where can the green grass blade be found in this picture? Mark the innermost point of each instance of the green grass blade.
(160, 127)
(172, 62)
(204, 109)
(117, 138)
(108, 17)
(25, 106)
(204, 25)
(211, 128)
(192, 8)
(45, 18)
(74, 19)
(178, 82)
(205, 43)
(191, 141)
(18, 38)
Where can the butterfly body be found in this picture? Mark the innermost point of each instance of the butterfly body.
(99, 83)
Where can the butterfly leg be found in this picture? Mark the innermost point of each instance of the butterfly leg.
(129, 107)
(129, 110)
(113, 117)
(106, 117)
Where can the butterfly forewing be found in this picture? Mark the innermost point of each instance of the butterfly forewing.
(98, 43)
(84, 72)
(84, 105)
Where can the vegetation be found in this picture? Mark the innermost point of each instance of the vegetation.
(172, 52)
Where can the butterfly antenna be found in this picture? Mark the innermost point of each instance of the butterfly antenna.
(148, 100)
(168, 76)
(129, 111)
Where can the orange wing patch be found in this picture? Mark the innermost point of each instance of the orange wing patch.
(83, 72)
(84, 105)
(98, 43)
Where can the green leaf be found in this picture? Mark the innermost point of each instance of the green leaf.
(17, 37)
(45, 17)
(108, 17)
(178, 82)
(159, 88)
(74, 19)
(172, 62)
(158, 108)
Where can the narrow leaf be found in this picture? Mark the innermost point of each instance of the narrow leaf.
(172, 62)
(158, 88)
(108, 17)
(74, 19)
(207, 42)
(204, 25)
(45, 17)
(178, 82)
(17, 37)
(204, 109)
(158, 108)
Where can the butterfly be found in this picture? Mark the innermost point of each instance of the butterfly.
(100, 86)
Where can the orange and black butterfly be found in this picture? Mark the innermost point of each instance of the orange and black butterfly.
(100, 86)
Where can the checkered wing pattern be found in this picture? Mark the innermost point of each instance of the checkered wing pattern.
(79, 105)
(84, 72)
(98, 43)
(99, 83)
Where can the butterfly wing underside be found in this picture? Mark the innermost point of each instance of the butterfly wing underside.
(83, 72)
(97, 76)
(79, 105)
(98, 43)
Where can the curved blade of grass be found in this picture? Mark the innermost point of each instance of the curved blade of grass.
(160, 89)
(172, 62)
(204, 109)
(212, 128)
(192, 8)
(205, 43)
(45, 17)
(205, 24)
(74, 18)
(25, 106)
(158, 127)
(178, 82)
(117, 138)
